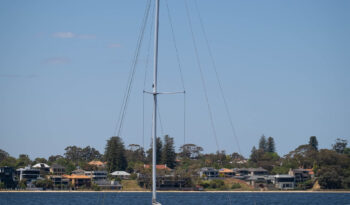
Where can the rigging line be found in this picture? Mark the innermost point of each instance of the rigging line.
(144, 81)
(201, 75)
(180, 69)
(132, 73)
(218, 78)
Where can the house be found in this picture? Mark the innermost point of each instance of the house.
(226, 172)
(241, 171)
(258, 181)
(257, 171)
(208, 173)
(29, 174)
(78, 181)
(44, 168)
(57, 169)
(59, 181)
(7, 176)
(300, 175)
(96, 175)
(121, 174)
(284, 181)
(158, 166)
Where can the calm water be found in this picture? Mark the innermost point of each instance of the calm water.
(173, 198)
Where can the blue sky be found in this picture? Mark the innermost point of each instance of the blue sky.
(285, 67)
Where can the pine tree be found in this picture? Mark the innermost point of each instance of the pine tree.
(168, 153)
(263, 143)
(313, 142)
(254, 155)
(115, 154)
(271, 145)
(159, 148)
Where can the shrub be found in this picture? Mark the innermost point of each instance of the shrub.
(236, 186)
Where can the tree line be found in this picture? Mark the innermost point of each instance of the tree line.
(331, 166)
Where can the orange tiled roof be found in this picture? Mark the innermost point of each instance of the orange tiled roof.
(225, 170)
(311, 172)
(158, 166)
(97, 163)
(74, 176)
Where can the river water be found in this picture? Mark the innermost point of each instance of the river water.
(183, 198)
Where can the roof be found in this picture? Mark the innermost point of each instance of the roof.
(158, 166)
(225, 170)
(41, 165)
(311, 171)
(74, 176)
(97, 163)
(120, 173)
(260, 169)
(283, 176)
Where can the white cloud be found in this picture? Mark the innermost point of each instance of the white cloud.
(57, 61)
(63, 35)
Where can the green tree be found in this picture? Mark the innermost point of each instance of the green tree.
(3, 155)
(159, 148)
(340, 145)
(115, 154)
(73, 153)
(23, 160)
(263, 143)
(190, 151)
(313, 142)
(168, 152)
(329, 178)
(254, 155)
(271, 145)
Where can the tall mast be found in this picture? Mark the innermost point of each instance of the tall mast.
(154, 129)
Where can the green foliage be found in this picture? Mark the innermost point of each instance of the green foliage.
(263, 143)
(22, 184)
(2, 185)
(9, 162)
(69, 165)
(190, 151)
(313, 142)
(280, 170)
(217, 184)
(44, 183)
(271, 145)
(305, 185)
(3, 155)
(95, 187)
(159, 150)
(133, 176)
(328, 178)
(236, 186)
(23, 160)
(340, 145)
(168, 152)
(77, 154)
(115, 155)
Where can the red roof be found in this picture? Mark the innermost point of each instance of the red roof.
(158, 166)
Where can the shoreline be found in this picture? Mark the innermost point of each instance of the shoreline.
(112, 191)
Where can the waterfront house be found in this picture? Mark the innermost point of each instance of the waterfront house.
(300, 175)
(28, 173)
(96, 175)
(241, 171)
(59, 181)
(57, 169)
(224, 172)
(208, 173)
(7, 176)
(78, 181)
(257, 171)
(284, 181)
